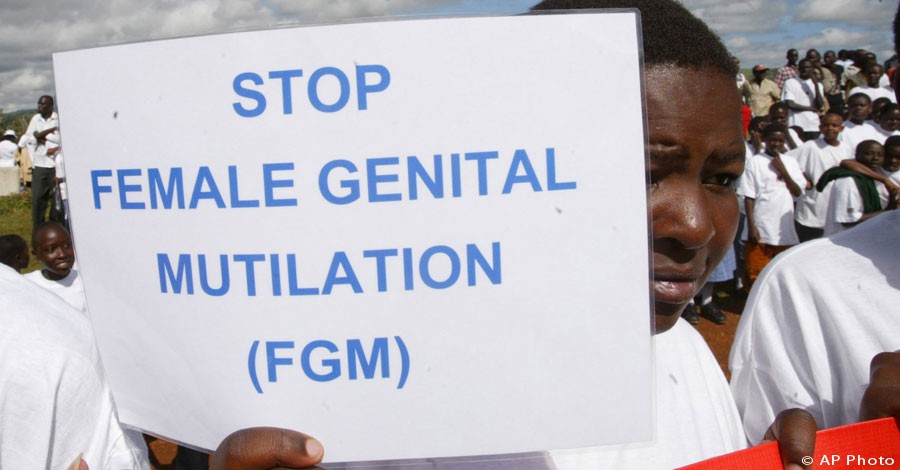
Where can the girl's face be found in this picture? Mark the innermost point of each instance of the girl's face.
(696, 151)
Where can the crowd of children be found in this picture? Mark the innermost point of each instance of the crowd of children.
(800, 184)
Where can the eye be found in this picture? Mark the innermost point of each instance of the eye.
(725, 180)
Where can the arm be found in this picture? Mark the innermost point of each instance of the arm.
(797, 107)
(858, 167)
(891, 205)
(752, 231)
(790, 141)
(41, 136)
(819, 101)
(792, 186)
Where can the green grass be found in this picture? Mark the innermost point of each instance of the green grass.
(15, 217)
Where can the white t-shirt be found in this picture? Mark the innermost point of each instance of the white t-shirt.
(856, 133)
(875, 93)
(814, 158)
(38, 151)
(814, 319)
(774, 204)
(68, 288)
(802, 92)
(895, 176)
(845, 204)
(55, 402)
(8, 154)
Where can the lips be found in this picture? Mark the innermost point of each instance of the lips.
(65, 263)
(676, 285)
(674, 291)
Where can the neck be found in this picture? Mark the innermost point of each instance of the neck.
(50, 275)
(832, 141)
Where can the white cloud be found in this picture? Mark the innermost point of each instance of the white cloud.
(21, 88)
(726, 17)
(855, 12)
(837, 38)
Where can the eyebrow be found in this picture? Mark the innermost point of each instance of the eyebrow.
(673, 154)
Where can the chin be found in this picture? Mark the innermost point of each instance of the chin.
(665, 316)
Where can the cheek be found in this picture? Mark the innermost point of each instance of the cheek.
(725, 216)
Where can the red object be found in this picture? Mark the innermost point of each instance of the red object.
(746, 116)
(871, 444)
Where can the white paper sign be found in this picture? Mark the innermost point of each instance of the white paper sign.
(409, 239)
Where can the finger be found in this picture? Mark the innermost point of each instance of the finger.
(266, 448)
(882, 396)
(795, 431)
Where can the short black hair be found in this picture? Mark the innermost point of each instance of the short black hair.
(888, 108)
(756, 123)
(778, 105)
(892, 141)
(860, 94)
(870, 65)
(10, 246)
(832, 112)
(672, 35)
(773, 128)
(43, 226)
(864, 145)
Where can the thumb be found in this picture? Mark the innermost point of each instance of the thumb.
(264, 448)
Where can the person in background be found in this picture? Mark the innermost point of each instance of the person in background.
(42, 132)
(815, 158)
(769, 185)
(52, 246)
(14, 252)
(778, 114)
(855, 197)
(804, 97)
(8, 149)
(873, 73)
(891, 166)
(760, 93)
(790, 69)
(835, 96)
(823, 75)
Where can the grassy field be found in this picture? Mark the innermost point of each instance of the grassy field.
(15, 217)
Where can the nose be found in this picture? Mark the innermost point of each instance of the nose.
(682, 216)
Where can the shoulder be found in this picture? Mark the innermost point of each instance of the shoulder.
(35, 314)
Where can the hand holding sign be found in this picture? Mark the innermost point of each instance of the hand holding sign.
(264, 448)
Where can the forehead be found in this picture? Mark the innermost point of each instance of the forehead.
(51, 234)
(832, 119)
(693, 107)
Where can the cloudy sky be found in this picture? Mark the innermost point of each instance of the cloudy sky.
(756, 31)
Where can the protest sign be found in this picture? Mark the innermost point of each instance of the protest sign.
(409, 239)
